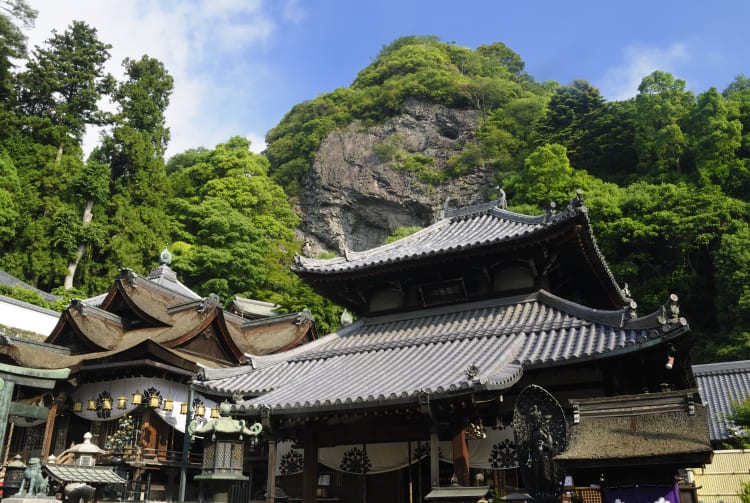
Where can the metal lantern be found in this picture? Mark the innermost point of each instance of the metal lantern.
(122, 403)
(91, 405)
(214, 412)
(153, 401)
(168, 405)
(137, 398)
(183, 408)
(106, 404)
(77, 406)
(200, 410)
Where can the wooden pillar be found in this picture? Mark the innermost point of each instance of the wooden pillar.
(434, 459)
(461, 458)
(49, 430)
(271, 479)
(310, 475)
(6, 397)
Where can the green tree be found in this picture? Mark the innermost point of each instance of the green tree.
(64, 82)
(12, 40)
(662, 103)
(737, 96)
(714, 141)
(570, 120)
(546, 176)
(741, 417)
(10, 192)
(236, 230)
(136, 216)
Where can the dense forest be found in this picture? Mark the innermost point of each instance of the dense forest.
(665, 173)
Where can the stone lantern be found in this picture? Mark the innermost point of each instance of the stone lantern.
(223, 451)
(13, 475)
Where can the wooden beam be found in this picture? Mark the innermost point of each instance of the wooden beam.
(310, 475)
(28, 410)
(6, 395)
(49, 430)
(434, 459)
(461, 458)
(271, 479)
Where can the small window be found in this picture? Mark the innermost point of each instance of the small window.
(86, 461)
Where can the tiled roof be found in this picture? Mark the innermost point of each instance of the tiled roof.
(479, 345)
(720, 386)
(473, 228)
(166, 277)
(11, 281)
(89, 474)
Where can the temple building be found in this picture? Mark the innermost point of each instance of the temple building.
(120, 366)
(491, 350)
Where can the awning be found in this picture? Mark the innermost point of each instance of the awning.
(101, 475)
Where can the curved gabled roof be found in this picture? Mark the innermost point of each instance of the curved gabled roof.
(458, 348)
(475, 227)
(486, 228)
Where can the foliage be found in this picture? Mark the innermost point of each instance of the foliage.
(421, 68)
(740, 416)
(236, 230)
(401, 233)
(744, 493)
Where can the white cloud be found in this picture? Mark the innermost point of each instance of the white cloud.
(257, 142)
(621, 82)
(197, 42)
(292, 12)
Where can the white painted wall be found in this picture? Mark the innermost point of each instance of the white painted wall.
(17, 314)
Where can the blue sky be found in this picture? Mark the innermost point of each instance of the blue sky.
(240, 65)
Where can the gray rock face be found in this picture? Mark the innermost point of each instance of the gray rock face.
(353, 200)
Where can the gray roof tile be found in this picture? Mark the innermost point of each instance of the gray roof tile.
(397, 357)
(487, 226)
(720, 386)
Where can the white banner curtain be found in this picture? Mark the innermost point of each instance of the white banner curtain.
(144, 385)
(496, 451)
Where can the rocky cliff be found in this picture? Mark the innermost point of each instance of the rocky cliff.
(354, 198)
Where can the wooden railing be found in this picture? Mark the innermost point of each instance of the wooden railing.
(155, 457)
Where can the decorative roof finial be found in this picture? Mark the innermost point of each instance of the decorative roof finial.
(444, 208)
(165, 258)
(502, 202)
(346, 318)
(550, 211)
(577, 201)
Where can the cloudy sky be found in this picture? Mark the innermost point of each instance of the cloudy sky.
(240, 65)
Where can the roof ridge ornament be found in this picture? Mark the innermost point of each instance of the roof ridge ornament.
(550, 211)
(165, 257)
(208, 303)
(80, 306)
(670, 314)
(577, 201)
(130, 276)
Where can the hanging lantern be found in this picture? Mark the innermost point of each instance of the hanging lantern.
(137, 398)
(77, 406)
(214, 412)
(168, 405)
(106, 404)
(183, 408)
(122, 403)
(91, 405)
(200, 410)
(153, 401)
